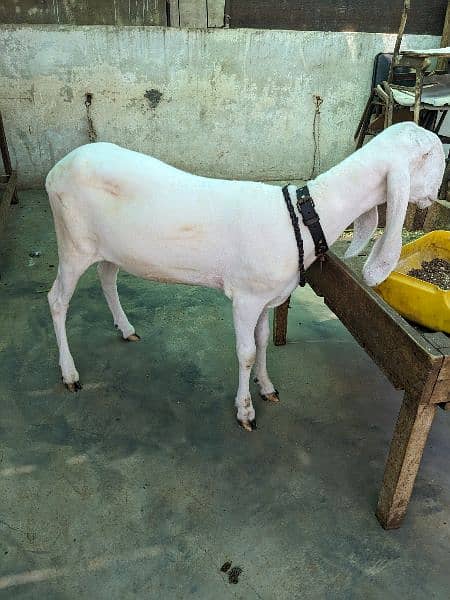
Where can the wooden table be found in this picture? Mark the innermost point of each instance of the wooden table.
(414, 361)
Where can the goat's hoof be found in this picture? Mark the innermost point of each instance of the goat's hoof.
(134, 337)
(273, 397)
(247, 425)
(74, 387)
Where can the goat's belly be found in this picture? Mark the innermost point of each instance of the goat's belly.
(168, 263)
(184, 275)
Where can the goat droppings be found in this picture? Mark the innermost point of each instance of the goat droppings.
(226, 565)
(233, 575)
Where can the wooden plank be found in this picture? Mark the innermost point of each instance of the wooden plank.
(398, 41)
(420, 56)
(4, 148)
(6, 199)
(216, 11)
(408, 359)
(174, 13)
(438, 215)
(439, 340)
(338, 15)
(193, 13)
(280, 323)
(445, 40)
(88, 12)
(408, 442)
(441, 391)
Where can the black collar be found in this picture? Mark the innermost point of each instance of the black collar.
(306, 208)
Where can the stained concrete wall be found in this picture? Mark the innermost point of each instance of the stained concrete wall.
(226, 103)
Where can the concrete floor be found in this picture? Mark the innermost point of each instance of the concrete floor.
(142, 485)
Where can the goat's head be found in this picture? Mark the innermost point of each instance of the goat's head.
(415, 163)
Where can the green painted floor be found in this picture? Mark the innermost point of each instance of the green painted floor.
(142, 485)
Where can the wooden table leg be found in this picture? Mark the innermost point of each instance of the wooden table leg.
(280, 323)
(5, 157)
(408, 442)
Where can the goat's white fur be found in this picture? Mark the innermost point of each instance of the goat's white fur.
(124, 209)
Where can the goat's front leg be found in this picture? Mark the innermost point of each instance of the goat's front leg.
(246, 311)
(262, 334)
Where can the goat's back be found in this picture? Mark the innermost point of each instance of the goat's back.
(157, 221)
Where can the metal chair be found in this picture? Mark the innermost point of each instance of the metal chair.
(410, 85)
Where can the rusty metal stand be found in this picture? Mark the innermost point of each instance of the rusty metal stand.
(8, 182)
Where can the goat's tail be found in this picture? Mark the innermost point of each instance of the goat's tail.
(51, 179)
(53, 187)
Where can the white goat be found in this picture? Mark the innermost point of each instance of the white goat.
(124, 209)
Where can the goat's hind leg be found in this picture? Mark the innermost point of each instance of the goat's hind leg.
(107, 272)
(262, 334)
(58, 298)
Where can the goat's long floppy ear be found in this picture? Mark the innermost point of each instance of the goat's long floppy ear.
(386, 251)
(363, 229)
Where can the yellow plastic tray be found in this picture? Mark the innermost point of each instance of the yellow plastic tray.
(420, 301)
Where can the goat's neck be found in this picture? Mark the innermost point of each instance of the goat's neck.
(345, 192)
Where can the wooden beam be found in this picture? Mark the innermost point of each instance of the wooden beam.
(398, 42)
(280, 323)
(6, 198)
(425, 17)
(216, 12)
(405, 453)
(407, 358)
(5, 156)
(193, 13)
(418, 363)
(87, 12)
(445, 40)
(174, 13)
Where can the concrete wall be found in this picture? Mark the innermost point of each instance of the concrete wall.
(226, 103)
